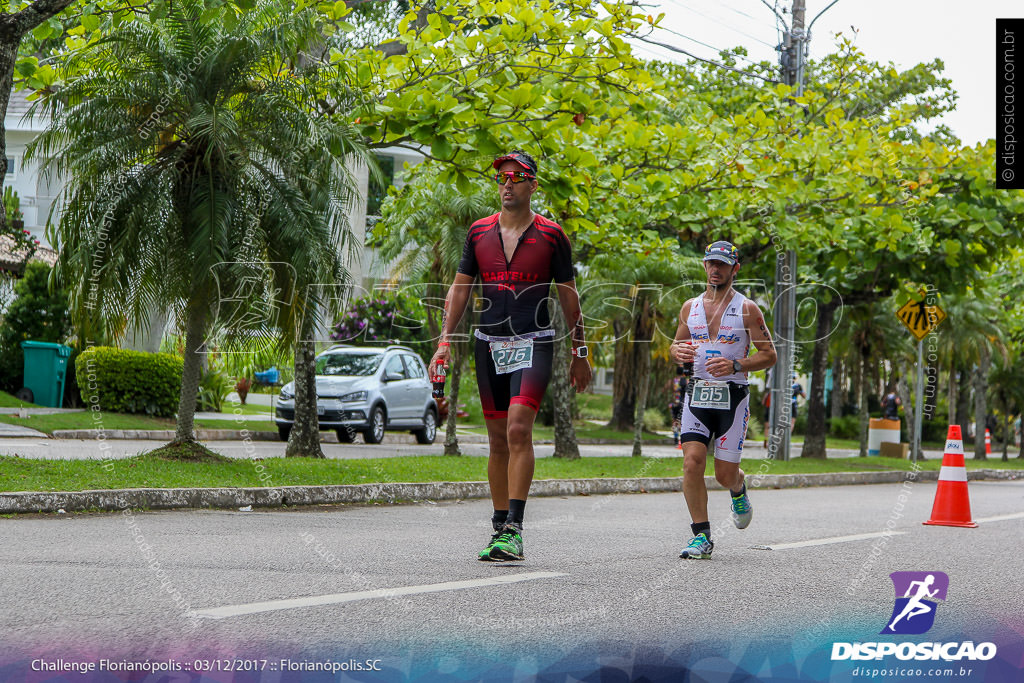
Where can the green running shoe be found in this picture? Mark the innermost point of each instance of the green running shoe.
(506, 545)
(698, 549)
(485, 554)
(742, 511)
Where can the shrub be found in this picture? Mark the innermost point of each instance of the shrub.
(846, 427)
(35, 314)
(125, 381)
(383, 318)
(214, 387)
(655, 419)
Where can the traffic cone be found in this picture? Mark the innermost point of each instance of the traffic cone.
(988, 443)
(952, 504)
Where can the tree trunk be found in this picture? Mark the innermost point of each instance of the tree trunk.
(1020, 451)
(863, 382)
(195, 332)
(951, 396)
(460, 351)
(931, 386)
(963, 402)
(563, 396)
(641, 343)
(903, 387)
(838, 395)
(814, 439)
(624, 383)
(1006, 434)
(304, 439)
(980, 409)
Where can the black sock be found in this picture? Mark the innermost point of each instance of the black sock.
(701, 527)
(742, 491)
(516, 509)
(498, 519)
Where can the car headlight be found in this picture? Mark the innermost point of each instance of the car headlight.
(353, 397)
(287, 394)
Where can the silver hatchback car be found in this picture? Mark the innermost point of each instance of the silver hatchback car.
(367, 390)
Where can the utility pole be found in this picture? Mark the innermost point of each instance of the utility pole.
(792, 56)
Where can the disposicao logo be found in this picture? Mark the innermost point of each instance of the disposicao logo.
(913, 614)
(916, 593)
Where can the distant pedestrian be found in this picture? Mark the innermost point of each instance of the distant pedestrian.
(798, 391)
(891, 405)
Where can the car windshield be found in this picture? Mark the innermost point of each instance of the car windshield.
(350, 364)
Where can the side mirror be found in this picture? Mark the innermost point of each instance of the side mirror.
(392, 377)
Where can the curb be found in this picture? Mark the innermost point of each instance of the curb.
(224, 435)
(392, 493)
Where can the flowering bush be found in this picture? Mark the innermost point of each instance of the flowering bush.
(381, 319)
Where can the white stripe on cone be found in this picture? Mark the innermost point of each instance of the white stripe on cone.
(955, 447)
(952, 473)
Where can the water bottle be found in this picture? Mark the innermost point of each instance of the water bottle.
(438, 380)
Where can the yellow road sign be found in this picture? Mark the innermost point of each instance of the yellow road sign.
(920, 318)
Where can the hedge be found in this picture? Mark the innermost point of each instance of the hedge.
(126, 381)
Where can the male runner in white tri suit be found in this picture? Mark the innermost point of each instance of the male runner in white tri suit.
(716, 405)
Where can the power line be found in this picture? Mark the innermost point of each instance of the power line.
(680, 50)
(721, 23)
(756, 20)
(775, 11)
(700, 42)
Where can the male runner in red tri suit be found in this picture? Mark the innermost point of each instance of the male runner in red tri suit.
(516, 254)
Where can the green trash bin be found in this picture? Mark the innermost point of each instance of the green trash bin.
(46, 366)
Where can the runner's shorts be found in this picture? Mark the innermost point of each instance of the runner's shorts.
(523, 387)
(728, 427)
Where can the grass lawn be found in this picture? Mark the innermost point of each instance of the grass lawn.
(9, 401)
(49, 423)
(23, 474)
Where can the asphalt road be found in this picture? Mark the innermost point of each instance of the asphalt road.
(602, 579)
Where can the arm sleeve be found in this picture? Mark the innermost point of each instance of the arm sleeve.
(561, 263)
(468, 265)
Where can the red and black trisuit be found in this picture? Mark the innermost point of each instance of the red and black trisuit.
(515, 293)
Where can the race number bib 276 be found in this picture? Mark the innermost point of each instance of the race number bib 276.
(711, 395)
(509, 356)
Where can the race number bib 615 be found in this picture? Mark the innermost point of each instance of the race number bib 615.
(711, 395)
(509, 356)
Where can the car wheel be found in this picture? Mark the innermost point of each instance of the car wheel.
(429, 431)
(283, 431)
(375, 432)
(345, 435)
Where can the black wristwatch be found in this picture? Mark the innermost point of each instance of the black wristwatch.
(736, 367)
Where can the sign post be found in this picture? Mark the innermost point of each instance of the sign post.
(920, 319)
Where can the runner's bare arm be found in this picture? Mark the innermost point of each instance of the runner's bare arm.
(764, 355)
(682, 352)
(454, 308)
(579, 369)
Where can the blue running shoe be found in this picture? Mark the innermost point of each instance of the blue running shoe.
(698, 549)
(742, 511)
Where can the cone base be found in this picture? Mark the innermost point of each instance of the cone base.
(967, 525)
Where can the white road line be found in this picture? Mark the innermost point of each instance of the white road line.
(999, 518)
(336, 598)
(833, 539)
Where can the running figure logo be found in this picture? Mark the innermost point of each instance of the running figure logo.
(916, 592)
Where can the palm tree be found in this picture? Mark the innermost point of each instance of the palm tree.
(968, 346)
(189, 148)
(422, 232)
(657, 287)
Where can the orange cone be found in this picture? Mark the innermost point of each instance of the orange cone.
(988, 443)
(952, 504)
